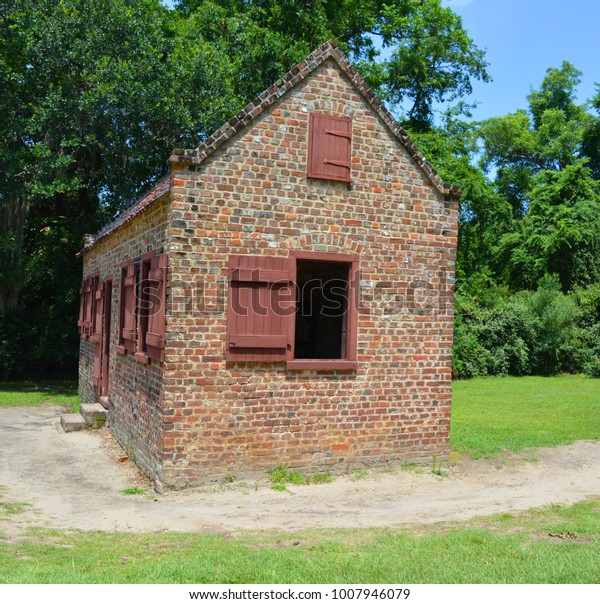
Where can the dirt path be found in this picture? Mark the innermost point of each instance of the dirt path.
(74, 481)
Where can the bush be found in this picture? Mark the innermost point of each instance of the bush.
(508, 332)
(557, 339)
(592, 367)
(493, 341)
(469, 356)
(542, 332)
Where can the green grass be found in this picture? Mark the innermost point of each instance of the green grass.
(490, 415)
(53, 392)
(281, 475)
(133, 491)
(550, 545)
(502, 549)
(10, 509)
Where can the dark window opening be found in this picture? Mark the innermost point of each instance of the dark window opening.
(322, 309)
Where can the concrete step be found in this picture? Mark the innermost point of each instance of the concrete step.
(94, 415)
(72, 422)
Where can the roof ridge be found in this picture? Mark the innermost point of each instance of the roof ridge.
(328, 50)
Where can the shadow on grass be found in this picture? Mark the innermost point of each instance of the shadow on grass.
(49, 387)
(27, 393)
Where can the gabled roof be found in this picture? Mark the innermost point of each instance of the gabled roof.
(271, 95)
(261, 103)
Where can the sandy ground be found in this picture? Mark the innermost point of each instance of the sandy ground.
(75, 481)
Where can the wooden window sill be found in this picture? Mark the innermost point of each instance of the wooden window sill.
(142, 358)
(120, 350)
(321, 364)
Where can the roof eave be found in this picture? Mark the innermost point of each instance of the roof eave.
(138, 207)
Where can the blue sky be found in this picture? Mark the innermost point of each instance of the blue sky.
(525, 37)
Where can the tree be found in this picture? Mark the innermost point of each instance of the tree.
(591, 138)
(542, 171)
(431, 57)
(484, 214)
(96, 93)
(561, 232)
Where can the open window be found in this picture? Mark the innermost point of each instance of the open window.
(329, 147)
(325, 323)
(301, 309)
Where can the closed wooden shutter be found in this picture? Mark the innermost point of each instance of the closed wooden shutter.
(81, 308)
(88, 319)
(260, 309)
(155, 334)
(98, 297)
(128, 306)
(96, 337)
(329, 147)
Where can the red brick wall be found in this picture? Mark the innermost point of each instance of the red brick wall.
(252, 197)
(136, 391)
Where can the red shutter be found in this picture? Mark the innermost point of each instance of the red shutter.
(260, 309)
(87, 309)
(98, 297)
(329, 147)
(97, 334)
(88, 319)
(81, 308)
(128, 306)
(155, 334)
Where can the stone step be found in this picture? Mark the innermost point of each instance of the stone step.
(72, 422)
(94, 414)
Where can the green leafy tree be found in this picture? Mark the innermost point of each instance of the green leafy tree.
(560, 233)
(96, 93)
(591, 138)
(429, 56)
(542, 171)
(484, 214)
(556, 333)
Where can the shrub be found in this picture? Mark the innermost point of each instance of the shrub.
(592, 367)
(555, 315)
(541, 332)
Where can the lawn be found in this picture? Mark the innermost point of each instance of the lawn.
(551, 545)
(490, 415)
(52, 392)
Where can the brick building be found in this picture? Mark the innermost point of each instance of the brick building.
(284, 294)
